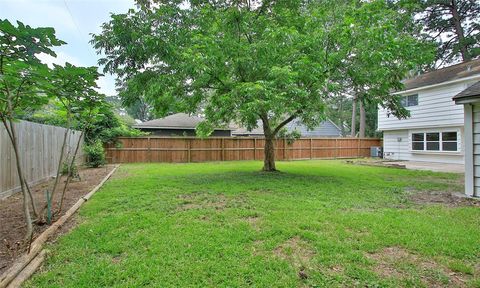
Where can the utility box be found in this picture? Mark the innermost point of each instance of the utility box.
(376, 151)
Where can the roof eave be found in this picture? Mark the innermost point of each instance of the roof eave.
(467, 99)
(474, 77)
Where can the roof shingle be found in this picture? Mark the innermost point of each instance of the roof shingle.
(175, 121)
(450, 73)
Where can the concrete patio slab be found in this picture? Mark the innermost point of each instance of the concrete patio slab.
(431, 166)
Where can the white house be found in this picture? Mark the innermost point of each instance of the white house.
(470, 99)
(435, 129)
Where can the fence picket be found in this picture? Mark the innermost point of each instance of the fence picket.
(39, 146)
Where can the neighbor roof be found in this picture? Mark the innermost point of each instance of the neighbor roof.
(294, 125)
(454, 72)
(244, 131)
(175, 121)
(472, 92)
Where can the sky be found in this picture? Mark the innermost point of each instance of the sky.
(74, 21)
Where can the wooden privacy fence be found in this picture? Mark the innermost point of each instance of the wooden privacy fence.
(191, 149)
(39, 147)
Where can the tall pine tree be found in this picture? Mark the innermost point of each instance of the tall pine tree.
(454, 25)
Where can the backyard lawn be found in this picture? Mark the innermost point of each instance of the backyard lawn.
(315, 223)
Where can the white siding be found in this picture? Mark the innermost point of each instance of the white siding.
(476, 148)
(397, 146)
(435, 109)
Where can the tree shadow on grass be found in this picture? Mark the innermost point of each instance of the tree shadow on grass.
(260, 178)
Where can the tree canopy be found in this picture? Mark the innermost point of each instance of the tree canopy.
(244, 61)
(24, 79)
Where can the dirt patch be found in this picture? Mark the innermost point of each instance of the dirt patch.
(441, 197)
(258, 248)
(296, 251)
(254, 221)
(197, 201)
(13, 227)
(396, 262)
(117, 259)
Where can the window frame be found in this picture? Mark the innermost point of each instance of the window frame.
(406, 100)
(440, 142)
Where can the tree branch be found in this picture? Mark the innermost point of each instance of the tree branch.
(286, 121)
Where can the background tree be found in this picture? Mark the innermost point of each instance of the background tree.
(339, 110)
(384, 47)
(244, 61)
(454, 25)
(23, 82)
(133, 98)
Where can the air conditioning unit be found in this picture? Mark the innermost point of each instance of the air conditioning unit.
(376, 151)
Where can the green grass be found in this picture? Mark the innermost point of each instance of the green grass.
(316, 223)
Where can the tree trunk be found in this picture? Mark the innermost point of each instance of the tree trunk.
(21, 178)
(269, 160)
(459, 31)
(270, 134)
(361, 131)
(269, 148)
(354, 116)
(59, 167)
(70, 169)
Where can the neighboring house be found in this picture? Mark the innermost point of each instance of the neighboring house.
(470, 99)
(326, 129)
(435, 129)
(179, 124)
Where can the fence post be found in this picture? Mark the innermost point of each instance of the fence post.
(149, 146)
(254, 148)
(311, 148)
(358, 145)
(335, 156)
(223, 149)
(189, 152)
(284, 149)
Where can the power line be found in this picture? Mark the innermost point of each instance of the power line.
(79, 31)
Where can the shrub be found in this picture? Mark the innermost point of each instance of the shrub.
(95, 154)
(66, 167)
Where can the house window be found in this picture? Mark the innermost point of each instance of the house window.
(418, 141)
(435, 141)
(449, 141)
(410, 100)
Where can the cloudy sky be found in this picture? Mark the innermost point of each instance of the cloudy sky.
(74, 21)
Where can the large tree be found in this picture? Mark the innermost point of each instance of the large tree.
(455, 25)
(244, 61)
